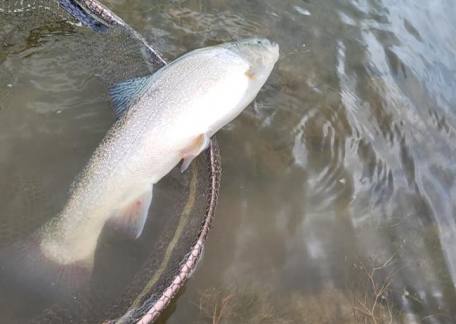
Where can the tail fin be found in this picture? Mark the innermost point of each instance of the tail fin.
(23, 267)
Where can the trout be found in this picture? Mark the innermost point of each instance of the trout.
(162, 119)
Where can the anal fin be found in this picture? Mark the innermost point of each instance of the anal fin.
(132, 217)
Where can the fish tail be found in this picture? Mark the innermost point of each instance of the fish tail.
(24, 267)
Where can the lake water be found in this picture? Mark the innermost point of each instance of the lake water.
(338, 197)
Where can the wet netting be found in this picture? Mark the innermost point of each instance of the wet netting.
(57, 61)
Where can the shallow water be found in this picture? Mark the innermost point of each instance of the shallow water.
(337, 200)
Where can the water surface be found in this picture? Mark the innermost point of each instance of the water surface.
(337, 202)
(342, 169)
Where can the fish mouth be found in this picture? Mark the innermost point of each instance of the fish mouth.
(272, 47)
(269, 43)
(275, 49)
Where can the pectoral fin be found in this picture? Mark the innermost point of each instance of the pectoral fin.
(199, 144)
(132, 217)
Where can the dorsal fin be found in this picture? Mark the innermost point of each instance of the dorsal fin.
(125, 93)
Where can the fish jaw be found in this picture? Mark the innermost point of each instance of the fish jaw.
(260, 54)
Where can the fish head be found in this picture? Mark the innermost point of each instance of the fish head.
(247, 65)
(261, 55)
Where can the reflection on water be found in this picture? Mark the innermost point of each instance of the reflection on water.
(338, 191)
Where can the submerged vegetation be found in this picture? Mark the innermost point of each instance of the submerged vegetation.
(368, 300)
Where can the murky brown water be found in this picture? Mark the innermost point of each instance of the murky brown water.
(338, 191)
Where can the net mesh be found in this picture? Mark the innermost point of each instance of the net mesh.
(32, 12)
(31, 8)
(184, 204)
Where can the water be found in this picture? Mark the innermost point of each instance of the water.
(54, 111)
(337, 202)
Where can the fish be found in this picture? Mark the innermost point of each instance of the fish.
(162, 119)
